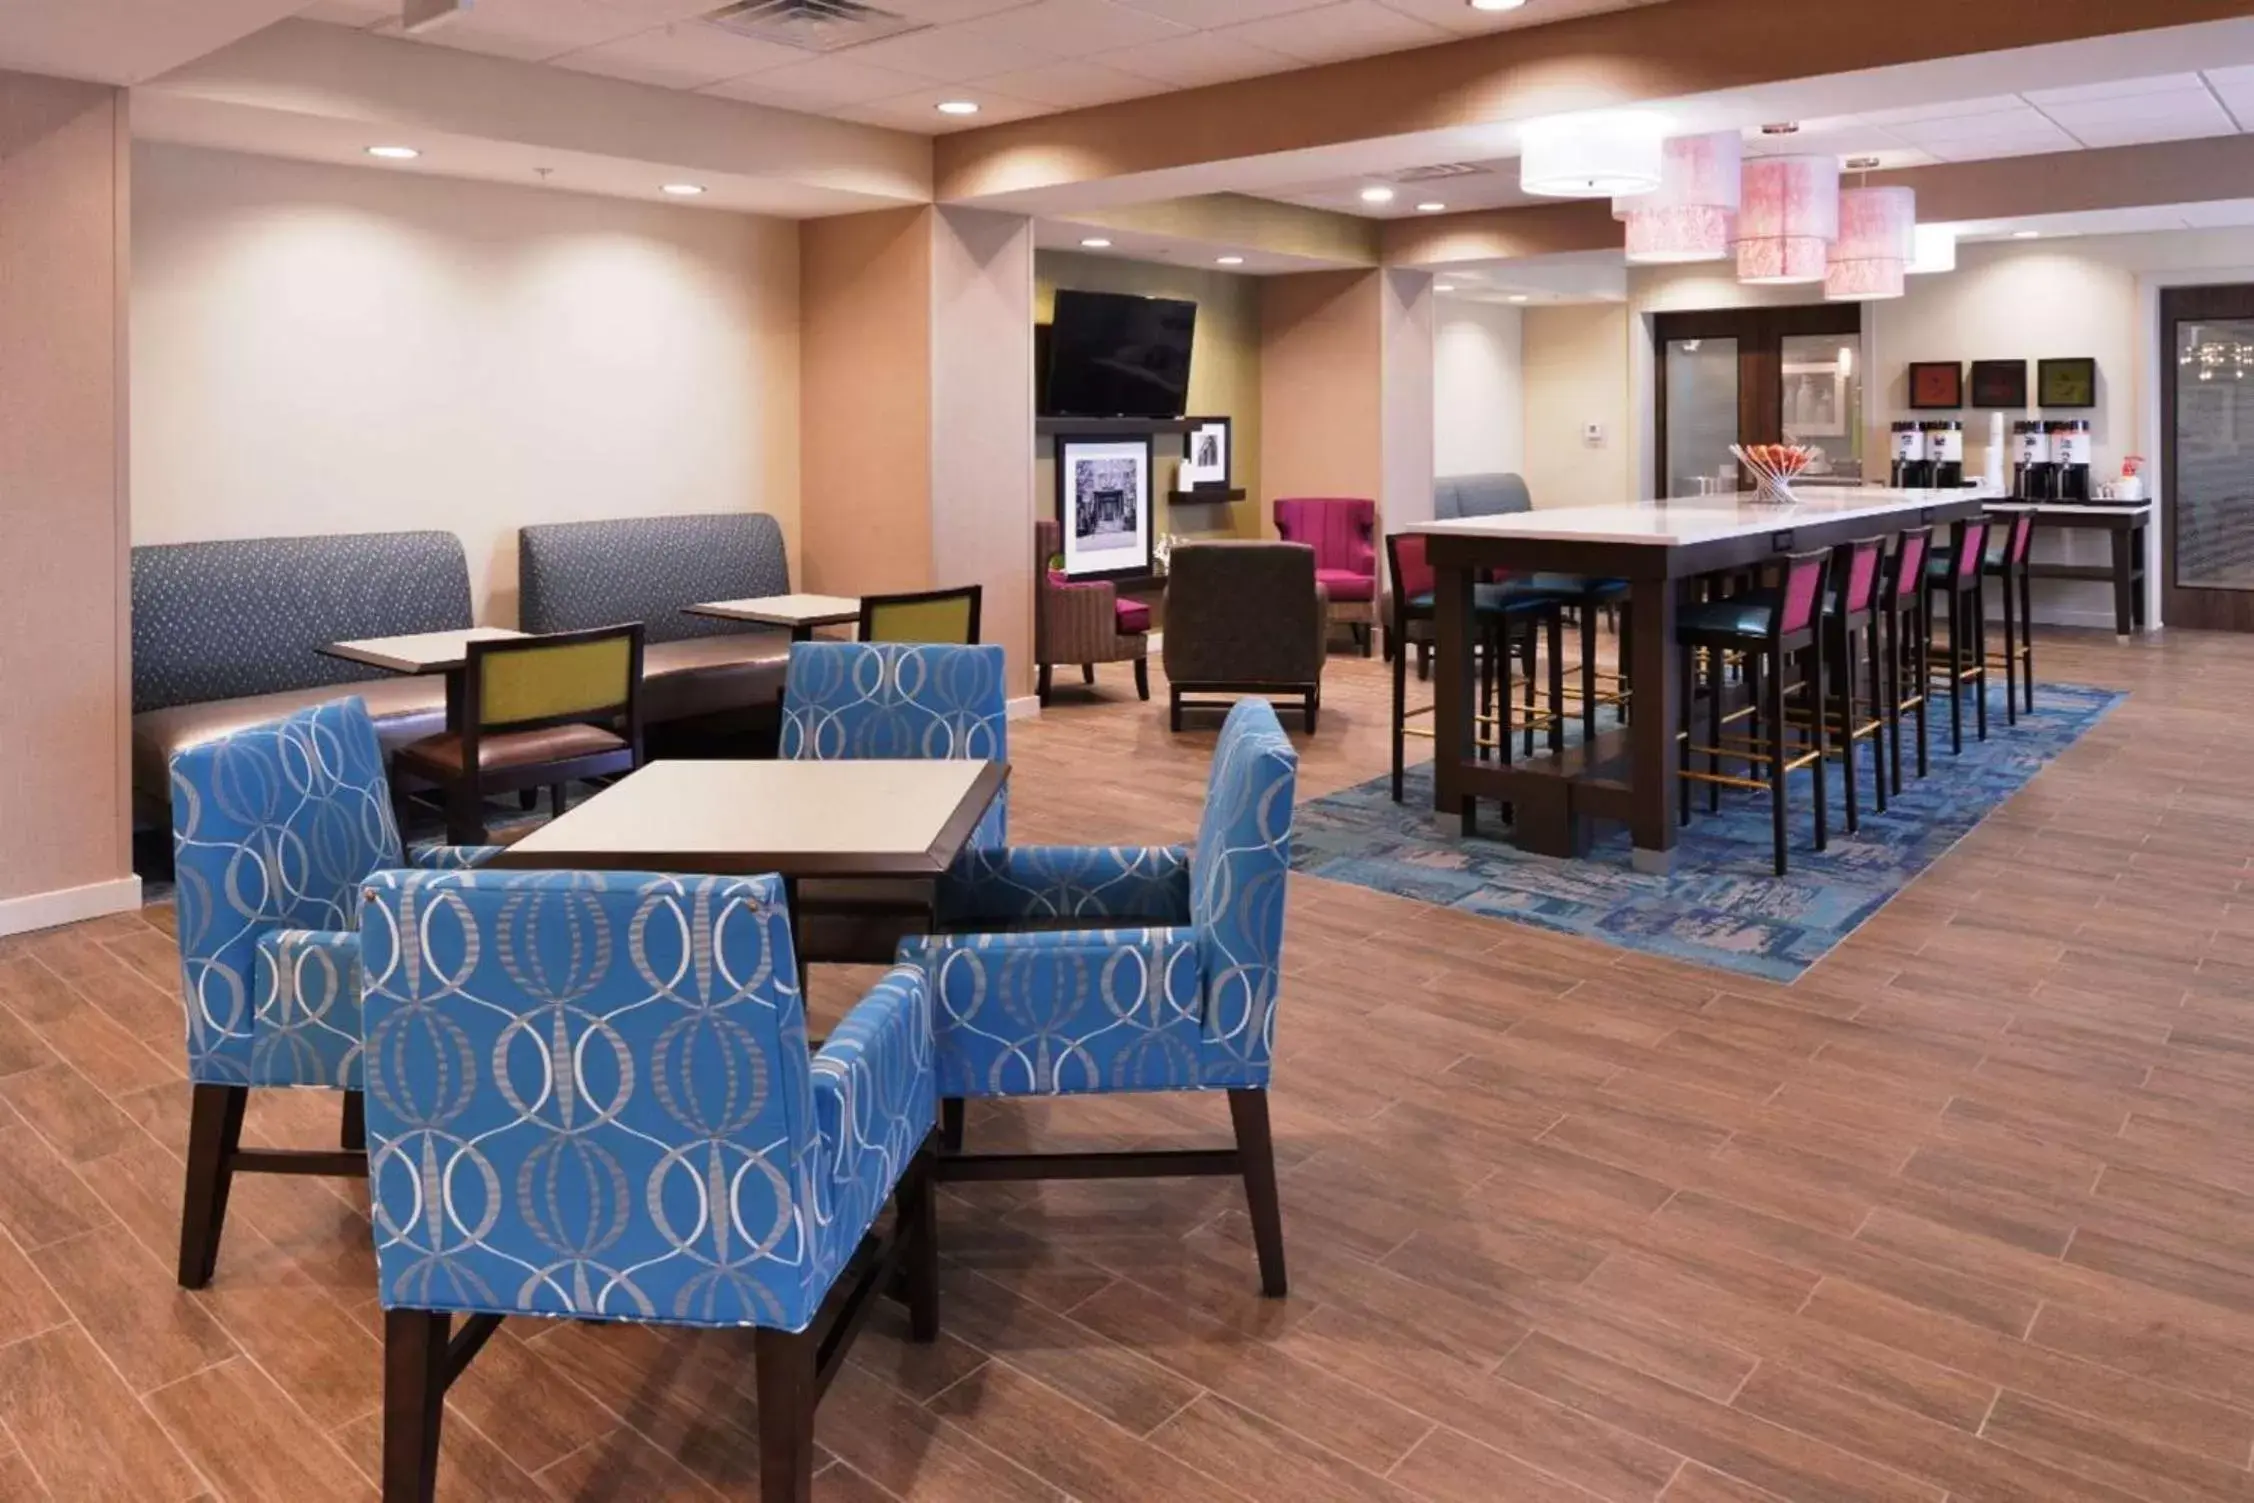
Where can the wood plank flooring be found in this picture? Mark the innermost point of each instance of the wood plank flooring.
(1966, 1213)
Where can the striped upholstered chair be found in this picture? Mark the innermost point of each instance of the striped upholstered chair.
(692, 1165)
(1127, 970)
(1083, 621)
(1343, 533)
(273, 829)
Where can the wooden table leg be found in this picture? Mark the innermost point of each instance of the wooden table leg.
(1651, 734)
(1453, 688)
(2124, 588)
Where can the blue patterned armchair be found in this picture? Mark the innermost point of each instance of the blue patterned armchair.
(890, 701)
(692, 1167)
(273, 828)
(1169, 983)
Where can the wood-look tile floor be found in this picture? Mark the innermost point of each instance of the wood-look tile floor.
(1967, 1212)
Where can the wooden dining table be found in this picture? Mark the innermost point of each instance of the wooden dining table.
(1625, 774)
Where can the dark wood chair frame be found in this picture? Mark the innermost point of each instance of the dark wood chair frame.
(1903, 606)
(1180, 698)
(423, 1353)
(1853, 633)
(976, 594)
(2016, 582)
(1966, 662)
(216, 1156)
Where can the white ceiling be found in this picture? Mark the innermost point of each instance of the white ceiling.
(1176, 250)
(1015, 58)
(2122, 112)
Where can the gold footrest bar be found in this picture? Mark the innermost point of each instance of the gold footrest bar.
(1727, 781)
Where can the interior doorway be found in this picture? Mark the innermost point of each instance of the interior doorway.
(1756, 376)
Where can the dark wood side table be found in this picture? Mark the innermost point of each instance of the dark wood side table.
(2125, 525)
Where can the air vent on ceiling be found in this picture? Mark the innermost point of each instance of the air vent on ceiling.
(811, 25)
(1431, 174)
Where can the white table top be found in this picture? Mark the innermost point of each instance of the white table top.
(784, 610)
(845, 817)
(1699, 519)
(419, 652)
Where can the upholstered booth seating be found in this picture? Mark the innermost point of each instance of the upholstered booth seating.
(1148, 970)
(229, 634)
(1491, 495)
(1083, 622)
(576, 575)
(590, 1098)
(1343, 532)
(1244, 618)
(274, 828)
(890, 701)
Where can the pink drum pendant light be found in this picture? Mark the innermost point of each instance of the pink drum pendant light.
(1692, 216)
(1877, 238)
(1787, 218)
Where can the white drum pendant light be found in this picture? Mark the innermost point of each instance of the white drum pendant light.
(1787, 217)
(1694, 214)
(1591, 156)
(1934, 248)
(1877, 234)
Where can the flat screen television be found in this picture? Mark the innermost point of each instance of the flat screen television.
(1115, 355)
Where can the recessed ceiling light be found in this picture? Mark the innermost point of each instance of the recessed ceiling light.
(394, 153)
(1228, 260)
(683, 190)
(1096, 242)
(958, 107)
(1378, 194)
(1432, 206)
(2025, 234)
(1496, 4)
(1518, 297)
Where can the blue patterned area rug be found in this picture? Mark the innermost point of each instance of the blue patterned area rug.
(1723, 905)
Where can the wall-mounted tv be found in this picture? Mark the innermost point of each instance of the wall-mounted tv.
(1115, 355)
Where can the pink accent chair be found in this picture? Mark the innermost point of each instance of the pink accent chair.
(1343, 532)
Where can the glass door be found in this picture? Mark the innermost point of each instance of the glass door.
(1757, 376)
(2207, 436)
(1821, 393)
(1701, 416)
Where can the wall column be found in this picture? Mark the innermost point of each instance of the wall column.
(65, 704)
(1346, 390)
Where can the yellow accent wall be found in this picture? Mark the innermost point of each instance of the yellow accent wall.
(1224, 375)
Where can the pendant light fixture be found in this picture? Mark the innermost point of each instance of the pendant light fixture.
(1877, 234)
(1934, 248)
(1693, 214)
(1788, 215)
(1614, 154)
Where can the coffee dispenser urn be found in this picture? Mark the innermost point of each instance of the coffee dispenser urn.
(1944, 453)
(2031, 474)
(1910, 471)
(2070, 459)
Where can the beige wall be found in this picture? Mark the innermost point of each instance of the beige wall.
(326, 349)
(65, 839)
(1406, 327)
(1321, 373)
(1478, 394)
(1576, 371)
(1224, 373)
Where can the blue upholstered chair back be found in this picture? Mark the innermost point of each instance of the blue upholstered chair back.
(900, 701)
(589, 1096)
(576, 575)
(273, 828)
(1238, 872)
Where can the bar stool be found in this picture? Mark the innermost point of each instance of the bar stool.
(1957, 574)
(2006, 562)
(1903, 602)
(1596, 687)
(1767, 628)
(1507, 618)
(1851, 632)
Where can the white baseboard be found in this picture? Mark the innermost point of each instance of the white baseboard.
(44, 910)
(1019, 709)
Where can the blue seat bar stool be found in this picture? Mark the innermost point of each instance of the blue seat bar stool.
(1903, 607)
(1768, 629)
(273, 828)
(2009, 537)
(1066, 971)
(1956, 574)
(590, 1098)
(1851, 644)
(1589, 598)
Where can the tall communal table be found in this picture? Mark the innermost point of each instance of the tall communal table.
(1625, 774)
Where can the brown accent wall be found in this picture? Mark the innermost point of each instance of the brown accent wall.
(865, 401)
(64, 639)
(1322, 372)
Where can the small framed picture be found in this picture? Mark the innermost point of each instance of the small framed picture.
(1936, 385)
(1816, 401)
(1999, 383)
(1104, 505)
(2066, 383)
(1205, 456)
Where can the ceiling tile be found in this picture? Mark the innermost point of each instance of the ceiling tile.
(1218, 13)
(821, 83)
(686, 56)
(919, 111)
(1456, 16)
(950, 54)
(1959, 109)
(2147, 117)
(351, 12)
(2231, 78)
(1201, 58)
(2118, 88)
(1075, 28)
(2146, 132)
(2239, 100)
(941, 12)
(535, 30)
(1348, 28)
(1069, 85)
(2230, 211)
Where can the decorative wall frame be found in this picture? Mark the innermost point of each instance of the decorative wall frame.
(1936, 385)
(1999, 383)
(2068, 382)
(1104, 506)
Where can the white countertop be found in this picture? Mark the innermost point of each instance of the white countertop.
(1700, 519)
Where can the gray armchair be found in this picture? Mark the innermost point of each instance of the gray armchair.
(1244, 618)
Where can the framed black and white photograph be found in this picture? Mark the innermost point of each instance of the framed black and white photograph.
(1205, 456)
(1104, 506)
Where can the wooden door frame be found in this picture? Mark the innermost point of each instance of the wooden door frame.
(2201, 607)
(1760, 333)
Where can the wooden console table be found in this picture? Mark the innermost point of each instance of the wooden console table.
(2125, 524)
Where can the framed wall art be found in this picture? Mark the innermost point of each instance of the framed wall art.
(1999, 383)
(1104, 506)
(1936, 385)
(2066, 383)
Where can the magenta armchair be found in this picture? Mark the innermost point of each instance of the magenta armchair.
(1343, 532)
